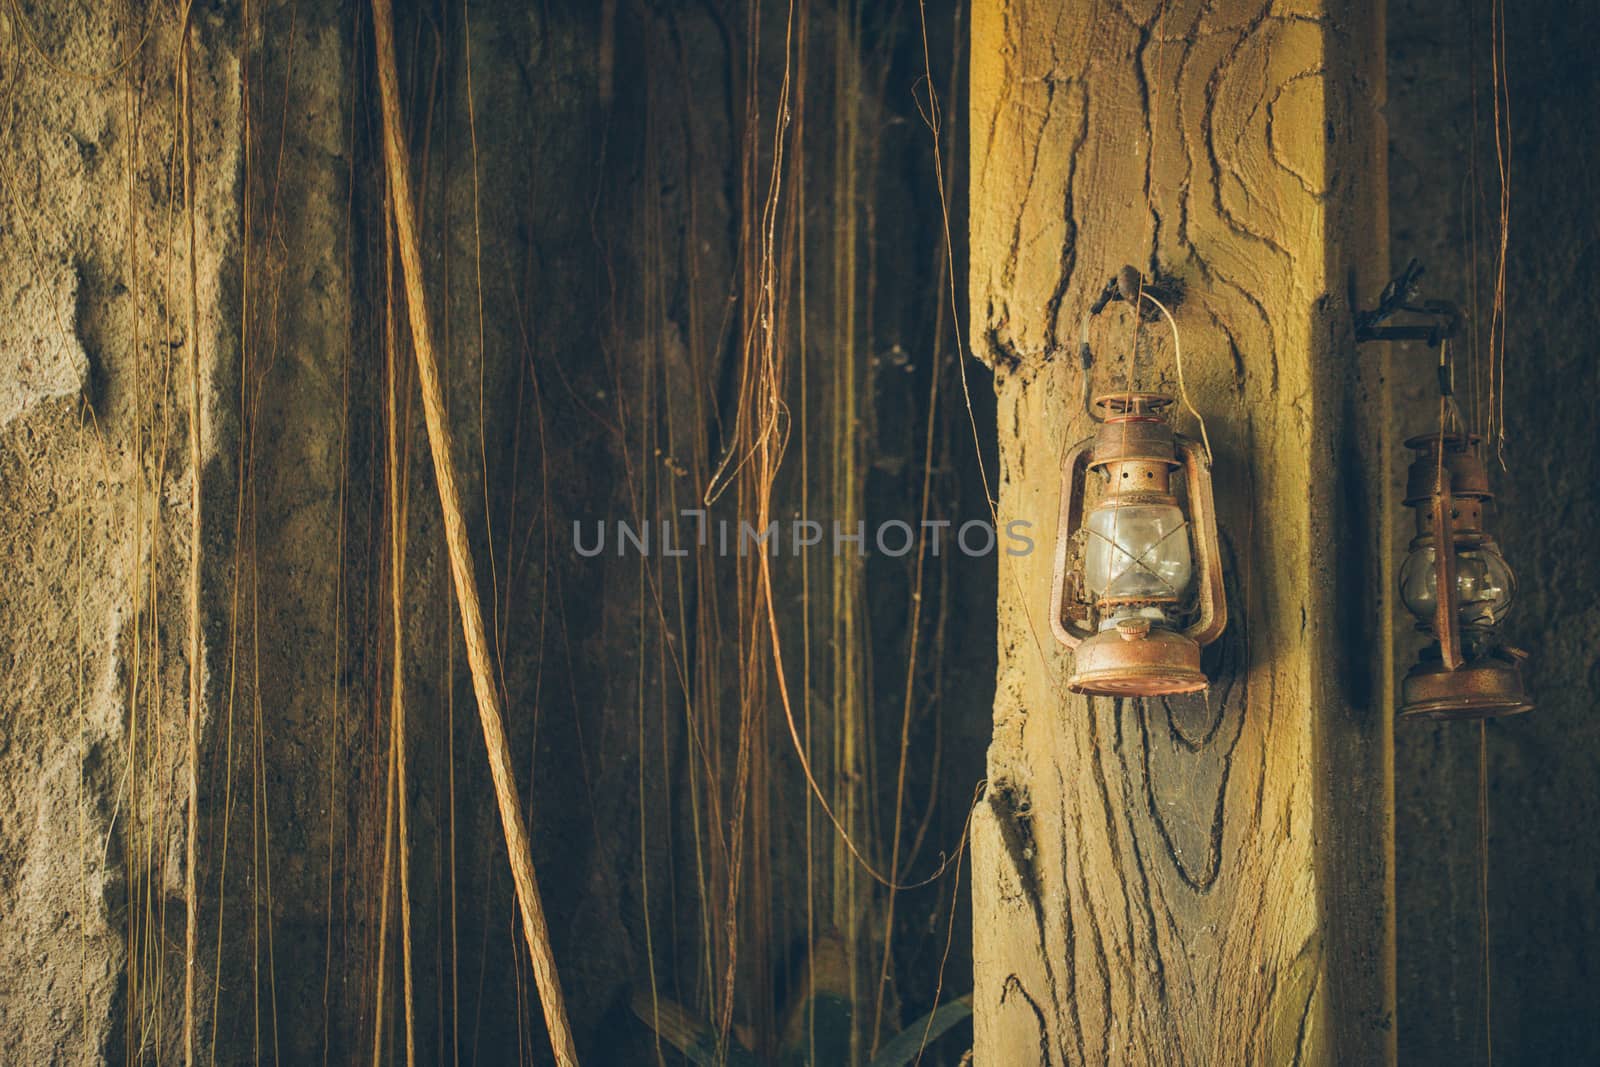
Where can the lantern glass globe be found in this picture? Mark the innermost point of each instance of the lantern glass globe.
(1485, 586)
(1137, 552)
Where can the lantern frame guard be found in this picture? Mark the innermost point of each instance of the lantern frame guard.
(1134, 646)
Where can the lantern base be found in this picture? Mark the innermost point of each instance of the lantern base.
(1489, 687)
(1130, 663)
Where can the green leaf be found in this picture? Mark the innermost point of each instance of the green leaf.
(903, 1048)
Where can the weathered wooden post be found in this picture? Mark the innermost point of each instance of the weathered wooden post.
(1199, 880)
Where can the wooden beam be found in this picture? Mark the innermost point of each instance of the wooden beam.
(1198, 879)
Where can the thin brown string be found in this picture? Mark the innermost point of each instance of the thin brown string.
(385, 878)
(441, 444)
(397, 708)
(950, 928)
(764, 592)
(1177, 360)
(1496, 415)
(191, 925)
(914, 629)
(1483, 880)
(1473, 197)
(94, 77)
(1502, 154)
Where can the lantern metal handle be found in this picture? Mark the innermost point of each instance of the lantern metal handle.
(1446, 626)
(1073, 469)
(1212, 601)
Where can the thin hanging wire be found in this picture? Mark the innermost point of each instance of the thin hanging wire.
(1483, 885)
(1177, 357)
(1502, 153)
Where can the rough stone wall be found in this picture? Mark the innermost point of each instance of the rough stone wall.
(1544, 845)
(94, 474)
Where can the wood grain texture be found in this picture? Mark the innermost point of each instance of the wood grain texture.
(1204, 879)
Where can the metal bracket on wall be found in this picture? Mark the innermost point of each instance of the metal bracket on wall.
(1128, 283)
(1400, 295)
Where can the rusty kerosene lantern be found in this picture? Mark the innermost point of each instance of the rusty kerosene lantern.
(1466, 673)
(1139, 629)
(1128, 607)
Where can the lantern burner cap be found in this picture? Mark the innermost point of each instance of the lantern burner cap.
(1454, 442)
(1122, 406)
(1453, 455)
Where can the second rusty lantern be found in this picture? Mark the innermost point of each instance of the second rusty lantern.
(1467, 673)
(1147, 593)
